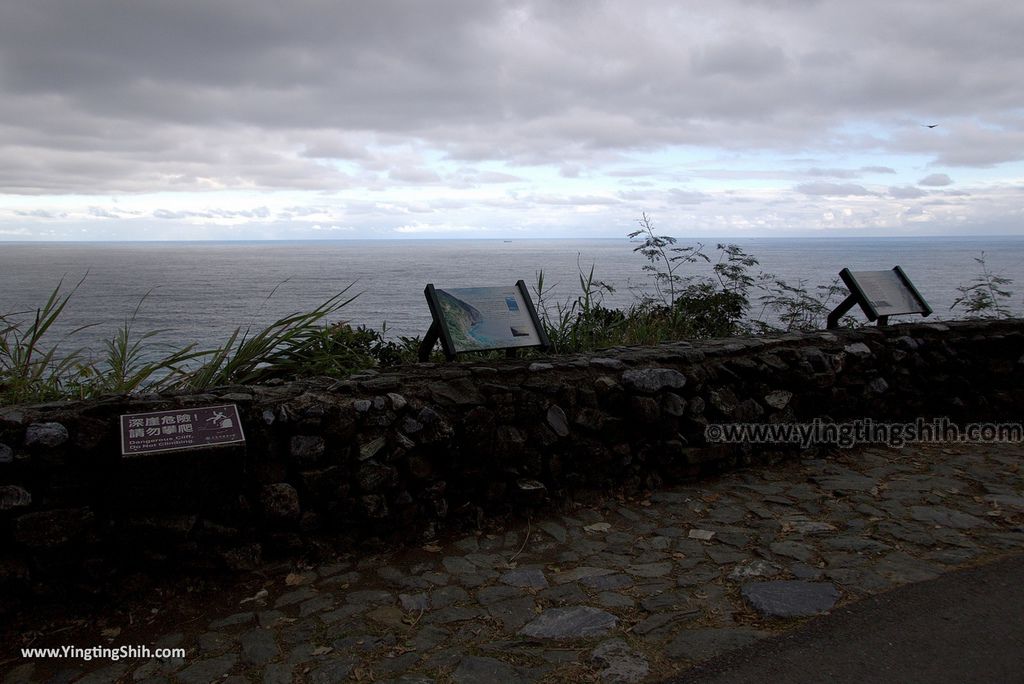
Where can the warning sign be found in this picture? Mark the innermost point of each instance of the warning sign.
(191, 428)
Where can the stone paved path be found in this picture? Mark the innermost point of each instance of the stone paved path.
(625, 592)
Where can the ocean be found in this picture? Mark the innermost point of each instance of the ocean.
(201, 291)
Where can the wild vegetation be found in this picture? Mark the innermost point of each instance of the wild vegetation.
(731, 299)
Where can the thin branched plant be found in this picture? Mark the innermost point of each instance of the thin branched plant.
(986, 296)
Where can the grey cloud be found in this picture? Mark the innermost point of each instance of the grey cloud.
(39, 213)
(816, 172)
(936, 180)
(833, 189)
(414, 175)
(170, 215)
(496, 177)
(569, 171)
(469, 176)
(577, 200)
(906, 192)
(677, 196)
(740, 58)
(257, 213)
(102, 96)
(100, 212)
(832, 173)
(333, 147)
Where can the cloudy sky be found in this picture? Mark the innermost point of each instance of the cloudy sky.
(248, 119)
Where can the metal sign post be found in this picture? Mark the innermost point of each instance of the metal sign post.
(880, 294)
(470, 319)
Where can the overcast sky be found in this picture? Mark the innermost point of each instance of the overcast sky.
(247, 119)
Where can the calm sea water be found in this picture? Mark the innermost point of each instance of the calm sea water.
(201, 291)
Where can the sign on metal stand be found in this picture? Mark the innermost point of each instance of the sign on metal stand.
(880, 294)
(469, 319)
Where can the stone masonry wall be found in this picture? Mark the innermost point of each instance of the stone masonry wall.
(408, 451)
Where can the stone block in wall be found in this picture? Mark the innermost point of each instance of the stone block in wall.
(280, 503)
(434, 427)
(748, 411)
(371, 446)
(557, 420)
(419, 467)
(55, 528)
(324, 484)
(673, 404)
(644, 409)
(374, 477)
(13, 496)
(542, 436)
(724, 402)
(45, 435)
(307, 450)
(146, 528)
(374, 506)
(242, 558)
(14, 572)
(509, 443)
(458, 392)
(778, 399)
(653, 380)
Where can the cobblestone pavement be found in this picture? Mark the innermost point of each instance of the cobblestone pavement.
(626, 591)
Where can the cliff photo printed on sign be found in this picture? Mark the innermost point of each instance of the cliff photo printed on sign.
(477, 319)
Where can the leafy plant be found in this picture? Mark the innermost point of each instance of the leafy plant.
(339, 349)
(793, 308)
(986, 296)
(665, 260)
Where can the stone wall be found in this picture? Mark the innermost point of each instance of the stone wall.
(408, 451)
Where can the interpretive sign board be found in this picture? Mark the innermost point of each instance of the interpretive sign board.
(469, 319)
(180, 429)
(880, 294)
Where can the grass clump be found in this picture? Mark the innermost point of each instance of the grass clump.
(279, 349)
(28, 370)
(296, 345)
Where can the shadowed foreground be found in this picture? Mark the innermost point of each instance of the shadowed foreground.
(617, 590)
(965, 626)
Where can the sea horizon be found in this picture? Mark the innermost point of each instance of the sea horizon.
(391, 238)
(200, 290)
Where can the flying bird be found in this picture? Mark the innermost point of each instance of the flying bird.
(929, 125)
